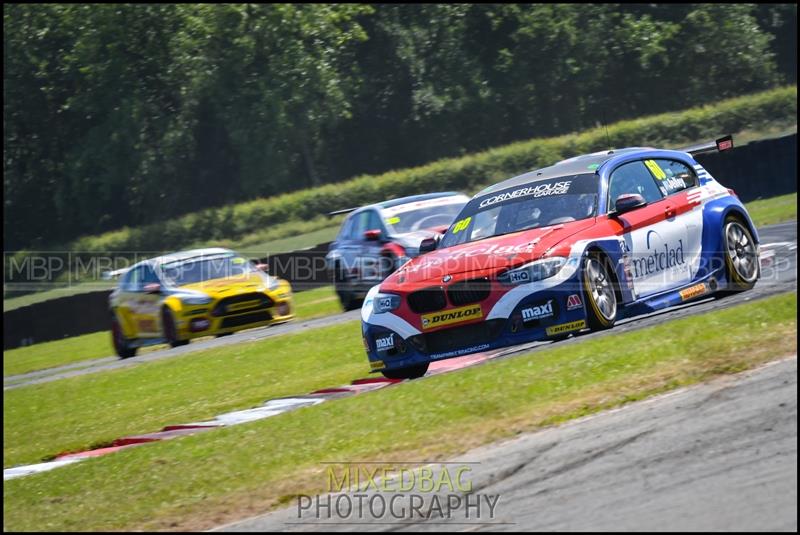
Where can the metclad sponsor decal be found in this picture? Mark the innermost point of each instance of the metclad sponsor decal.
(536, 313)
(385, 343)
(448, 317)
(693, 291)
(540, 190)
(566, 327)
(660, 257)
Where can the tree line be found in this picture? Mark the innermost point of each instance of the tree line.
(119, 115)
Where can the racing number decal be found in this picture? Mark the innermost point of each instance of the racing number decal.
(655, 169)
(461, 225)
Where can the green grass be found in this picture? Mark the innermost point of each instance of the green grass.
(57, 353)
(78, 412)
(200, 481)
(309, 304)
(773, 210)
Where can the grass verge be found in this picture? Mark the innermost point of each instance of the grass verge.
(773, 210)
(80, 412)
(200, 481)
(309, 304)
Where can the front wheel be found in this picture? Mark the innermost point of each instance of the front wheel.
(170, 330)
(741, 256)
(412, 372)
(601, 298)
(122, 346)
(346, 298)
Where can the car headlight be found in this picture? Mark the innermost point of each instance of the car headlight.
(196, 300)
(273, 283)
(385, 303)
(534, 271)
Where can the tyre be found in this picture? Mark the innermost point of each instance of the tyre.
(412, 372)
(742, 266)
(346, 297)
(169, 328)
(600, 292)
(388, 265)
(122, 346)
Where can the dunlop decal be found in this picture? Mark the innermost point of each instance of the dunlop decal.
(448, 317)
(376, 364)
(566, 327)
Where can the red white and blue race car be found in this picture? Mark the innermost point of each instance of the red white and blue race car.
(577, 245)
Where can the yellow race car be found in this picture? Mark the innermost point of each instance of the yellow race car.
(185, 295)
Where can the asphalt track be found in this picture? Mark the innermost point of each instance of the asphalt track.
(780, 277)
(717, 456)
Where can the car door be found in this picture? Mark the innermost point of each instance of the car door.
(655, 239)
(143, 307)
(679, 182)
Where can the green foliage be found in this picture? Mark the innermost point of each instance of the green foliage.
(466, 173)
(122, 115)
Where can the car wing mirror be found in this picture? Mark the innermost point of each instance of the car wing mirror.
(152, 288)
(427, 245)
(628, 202)
(372, 235)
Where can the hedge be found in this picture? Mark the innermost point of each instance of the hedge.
(465, 173)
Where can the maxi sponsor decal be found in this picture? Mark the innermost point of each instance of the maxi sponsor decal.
(385, 343)
(533, 314)
(658, 258)
(448, 317)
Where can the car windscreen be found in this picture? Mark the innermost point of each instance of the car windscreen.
(540, 203)
(194, 270)
(424, 214)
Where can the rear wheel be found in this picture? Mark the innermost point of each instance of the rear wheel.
(741, 256)
(122, 346)
(601, 297)
(170, 329)
(412, 372)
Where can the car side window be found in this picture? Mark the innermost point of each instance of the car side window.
(125, 282)
(135, 280)
(347, 228)
(360, 225)
(672, 176)
(149, 276)
(374, 221)
(633, 177)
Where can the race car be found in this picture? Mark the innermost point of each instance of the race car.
(375, 240)
(185, 295)
(577, 245)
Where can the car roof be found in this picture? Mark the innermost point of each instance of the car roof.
(186, 255)
(584, 163)
(410, 199)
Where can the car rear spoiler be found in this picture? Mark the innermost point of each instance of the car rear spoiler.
(339, 212)
(108, 275)
(721, 144)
